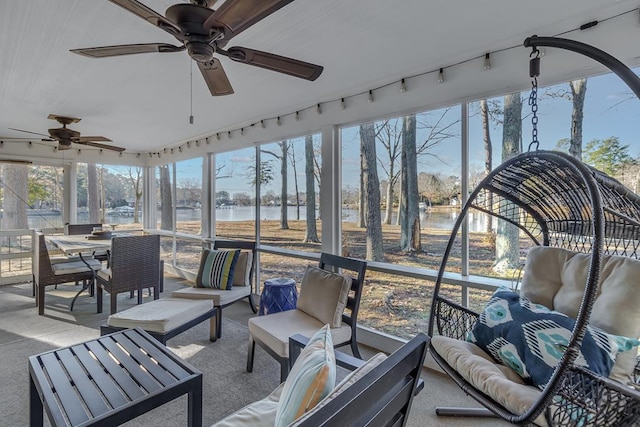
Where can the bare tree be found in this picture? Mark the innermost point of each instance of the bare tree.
(371, 188)
(389, 135)
(292, 157)
(576, 94)
(507, 235)
(93, 200)
(166, 200)
(135, 178)
(311, 234)
(15, 189)
(488, 154)
(409, 209)
(284, 223)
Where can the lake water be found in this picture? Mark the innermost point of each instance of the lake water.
(441, 219)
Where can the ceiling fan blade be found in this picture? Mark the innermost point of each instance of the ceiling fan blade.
(215, 77)
(127, 49)
(271, 61)
(236, 16)
(13, 138)
(48, 137)
(148, 15)
(90, 138)
(98, 145)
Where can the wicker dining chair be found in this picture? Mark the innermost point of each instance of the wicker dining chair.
(134, 265)
(46, 273)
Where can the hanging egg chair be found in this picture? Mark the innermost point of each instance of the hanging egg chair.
(562, 350)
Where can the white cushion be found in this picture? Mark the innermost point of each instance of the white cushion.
(498, 381)
(218, 296)
(75, 267)
(242, 275)
(556, 278)
(275, 329)
(323, 295)
(257, 414)
(105, 274)
(160, 315)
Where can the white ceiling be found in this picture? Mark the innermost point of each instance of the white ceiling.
(142, 102)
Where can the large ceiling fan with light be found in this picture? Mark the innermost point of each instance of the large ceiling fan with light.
(66, 136)
(204, 33)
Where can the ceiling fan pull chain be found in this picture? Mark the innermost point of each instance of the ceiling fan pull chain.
(191, 86)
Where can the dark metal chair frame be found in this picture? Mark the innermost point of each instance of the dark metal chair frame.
(382, 397)
(43, 275)
(135, 265)
(349, 316)
(556, 201)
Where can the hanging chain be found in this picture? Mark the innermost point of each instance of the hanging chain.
(534, 72)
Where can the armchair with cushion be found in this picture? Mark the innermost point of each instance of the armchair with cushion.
(325, 297)
(223, 280)
(378, 391)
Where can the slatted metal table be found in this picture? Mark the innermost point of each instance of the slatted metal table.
(110, 380)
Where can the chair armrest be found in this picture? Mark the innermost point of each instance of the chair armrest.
(297, 343)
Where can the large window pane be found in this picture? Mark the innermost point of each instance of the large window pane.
(235, 194)
(189, 196)
(289, 194)
(405, 219)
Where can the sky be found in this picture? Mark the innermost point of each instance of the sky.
(611, 109)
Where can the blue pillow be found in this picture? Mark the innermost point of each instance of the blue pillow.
(217, 269)
(530, 338)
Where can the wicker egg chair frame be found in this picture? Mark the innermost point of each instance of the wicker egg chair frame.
(556, 201)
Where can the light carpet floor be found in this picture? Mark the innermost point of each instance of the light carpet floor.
(226, 386)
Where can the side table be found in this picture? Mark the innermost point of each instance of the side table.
(278, 295)
(109, 381)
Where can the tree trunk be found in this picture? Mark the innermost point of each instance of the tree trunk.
(488, 153)
(16, 192)
(284, 223)
(362, 202)
(371, 188)
(578, 92)
(409, 207)
(93, 200)
(295, 180)
(166, 208)
(312, 232)
(507, 236)
(389, 208)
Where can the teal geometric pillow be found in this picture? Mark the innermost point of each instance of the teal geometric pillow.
(216, 269)
(530, 338)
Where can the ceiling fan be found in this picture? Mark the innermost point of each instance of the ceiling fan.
(204, 32)
(66, 136)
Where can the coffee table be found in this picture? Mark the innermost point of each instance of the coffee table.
(110, 380)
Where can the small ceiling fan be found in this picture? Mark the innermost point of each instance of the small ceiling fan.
(204, 32)
(66, 136)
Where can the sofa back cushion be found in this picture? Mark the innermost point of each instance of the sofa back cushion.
(242, 274)
(556, 278)
(323, 295)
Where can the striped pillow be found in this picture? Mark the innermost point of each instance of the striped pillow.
(311, 379)
(216, 269)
